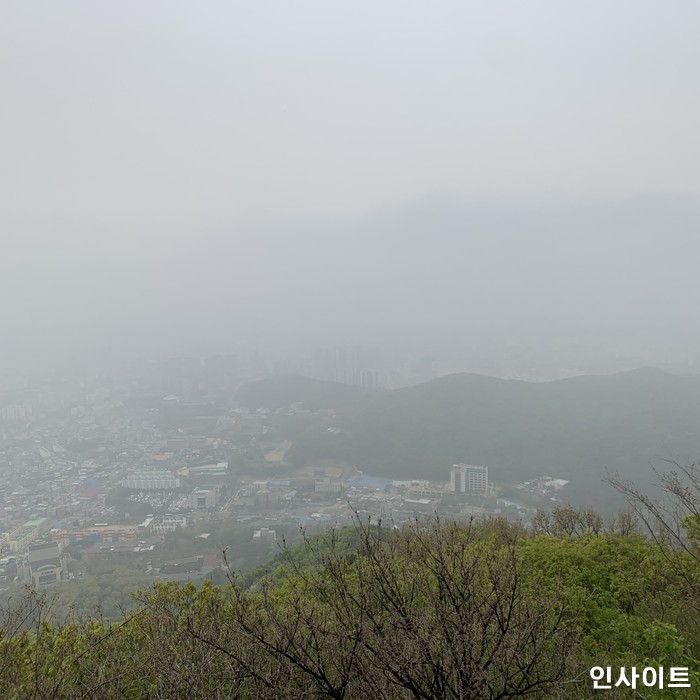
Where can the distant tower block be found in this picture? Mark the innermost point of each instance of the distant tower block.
(469, 478)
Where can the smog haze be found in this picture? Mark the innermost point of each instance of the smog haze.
(186, 178)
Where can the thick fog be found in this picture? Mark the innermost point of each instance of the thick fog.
(184, 177)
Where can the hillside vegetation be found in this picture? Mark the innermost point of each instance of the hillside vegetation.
(574, 428)
(435, 610)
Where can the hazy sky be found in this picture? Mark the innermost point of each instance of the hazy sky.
(180, 175)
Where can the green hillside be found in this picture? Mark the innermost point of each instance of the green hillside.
(434, 610)
(574, 428)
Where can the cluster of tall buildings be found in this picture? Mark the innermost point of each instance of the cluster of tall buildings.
(357, 366)
(369, 367)
(16, 411)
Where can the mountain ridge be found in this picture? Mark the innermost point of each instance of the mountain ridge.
(576, 428)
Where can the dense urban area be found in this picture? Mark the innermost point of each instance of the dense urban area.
(157, 473)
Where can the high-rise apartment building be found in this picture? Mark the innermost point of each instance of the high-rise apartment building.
(469, 478)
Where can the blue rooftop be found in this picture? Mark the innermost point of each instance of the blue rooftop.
(363, 481)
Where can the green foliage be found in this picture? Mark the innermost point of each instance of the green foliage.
(691, 525)
(107, 595)
(434, 610)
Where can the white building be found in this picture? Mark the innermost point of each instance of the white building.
(327, 486)
(169, 523)
(151, 481)
(45, 563)
(425, 489)
(265, 536)
(203, 499)
(469, 478)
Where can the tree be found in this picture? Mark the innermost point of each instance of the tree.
(435, 611)
(673, 519)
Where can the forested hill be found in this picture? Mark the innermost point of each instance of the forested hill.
(568, 427)
(436, 609)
